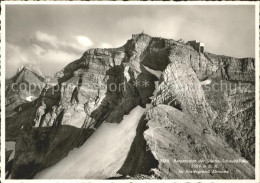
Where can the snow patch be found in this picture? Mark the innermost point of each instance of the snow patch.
(10, 145)
(156, 83)
(157, 73)
(30, 98)
(126, 73)
(206, 82)
(102, 155)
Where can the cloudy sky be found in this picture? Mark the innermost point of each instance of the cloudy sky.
(52, 36)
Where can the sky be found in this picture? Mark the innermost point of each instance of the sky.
(52, 36)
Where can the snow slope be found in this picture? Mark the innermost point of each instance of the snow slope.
(30, 98)
(10, 145)
(102, 154)
(157, 73)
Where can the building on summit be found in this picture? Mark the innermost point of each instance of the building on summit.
(197, 45)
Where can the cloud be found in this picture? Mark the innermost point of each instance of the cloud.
(12, 51)
(38, 50)
(105, 45)
(43, 37)
(77, 43)
(48, 51)
(84, 41)
(16, 57)
(49, 60)
(54, 56)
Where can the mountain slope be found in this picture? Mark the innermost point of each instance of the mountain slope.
(103, 153)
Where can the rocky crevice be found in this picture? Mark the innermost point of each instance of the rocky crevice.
(140, 159)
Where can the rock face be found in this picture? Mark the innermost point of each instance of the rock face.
(28, 82)
(203, 108)
(152, 148)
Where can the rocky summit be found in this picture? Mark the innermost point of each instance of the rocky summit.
(152, 109)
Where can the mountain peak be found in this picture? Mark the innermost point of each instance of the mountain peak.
(135, 36)
(33, 68)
